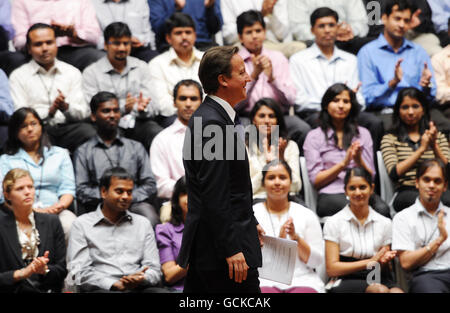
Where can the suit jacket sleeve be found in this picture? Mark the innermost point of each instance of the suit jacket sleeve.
(214, 176)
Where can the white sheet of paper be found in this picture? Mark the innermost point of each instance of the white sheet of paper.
(279, 257)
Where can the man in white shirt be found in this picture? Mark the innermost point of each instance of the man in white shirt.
(315, 69)
(166, 152)
(53, 89)
(352, 30)
(420, 232)
(275, 12)
(181, 61)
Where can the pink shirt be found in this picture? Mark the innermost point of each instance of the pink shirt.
(81, 13)
(281, 88)
(441, 66)
(166, 158)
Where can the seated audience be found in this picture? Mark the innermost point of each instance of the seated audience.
(9, 60)
(134, 13)
(315, 69)
(109, 149)
(420, 232)
(180, 62)
(280, 217)
(50, 167)
(275, 13)
(128, 78)
(74, 22)
(32, 243)
(169, 235)
(205, 13)
(6, 108)
(412, 140)
(53, 89)
(166, 152)
(269, 71)
(266, 116)
(351, 32)
(336, 145)
(349, 251)
(391, 63)
(112, 249)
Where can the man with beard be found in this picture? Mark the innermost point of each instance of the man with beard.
(167, 148)
(420, 232)
(128, 78)
(109, 149)
(131, 264)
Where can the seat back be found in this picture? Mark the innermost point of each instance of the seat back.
(308, 188)
(387, 187)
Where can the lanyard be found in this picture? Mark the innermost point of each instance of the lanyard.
(117, 89)
(324, 72)
(48, 90)
(109, 159)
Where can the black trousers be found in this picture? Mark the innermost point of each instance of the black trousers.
(71, 135)
(430, 282)
(201, 281)
(80, 57)
(144, 131)
(329, 204)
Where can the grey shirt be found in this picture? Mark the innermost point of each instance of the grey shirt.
(134, 13)
(101, 252)
(135, 78)
(94, 157)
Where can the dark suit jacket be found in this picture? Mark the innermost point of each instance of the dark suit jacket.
(52, 239)
(220, 220)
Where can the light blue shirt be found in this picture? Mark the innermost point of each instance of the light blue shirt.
(440, 13)
(53, 176)
(6, 103)
(376, 66)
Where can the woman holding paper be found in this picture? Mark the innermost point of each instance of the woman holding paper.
(357, 241)
(282, 218)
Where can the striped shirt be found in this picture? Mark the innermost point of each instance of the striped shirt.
(395, 151)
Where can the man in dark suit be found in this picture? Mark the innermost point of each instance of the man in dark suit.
(220, 239)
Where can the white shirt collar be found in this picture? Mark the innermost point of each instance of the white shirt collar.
(225, 105)
(420, 209)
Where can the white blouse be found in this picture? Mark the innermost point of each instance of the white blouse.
(307, 227)
(29, 245)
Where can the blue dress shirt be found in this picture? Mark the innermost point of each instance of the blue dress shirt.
(6, 103)
(376, 66)
(53, 176)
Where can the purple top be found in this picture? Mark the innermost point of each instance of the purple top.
(321, 155)
(168, 240)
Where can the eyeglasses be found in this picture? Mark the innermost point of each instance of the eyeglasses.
(118, 43)
(184, 98)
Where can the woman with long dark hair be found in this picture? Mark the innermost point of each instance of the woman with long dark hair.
(50, 167)
(357, 238)
(336, 145)
(267, 117)
(169, 235)
(413, 139)
(280, 217)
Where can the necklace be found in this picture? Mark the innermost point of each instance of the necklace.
(281, 214)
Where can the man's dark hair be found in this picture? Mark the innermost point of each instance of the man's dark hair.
(116, 30)
(117, 172)
(178, 19)
(402, 6)
(216, 61)
(322, 12)
(249, 18)
(37, 26)
(187, 83)
(101, 97)
(425, 165)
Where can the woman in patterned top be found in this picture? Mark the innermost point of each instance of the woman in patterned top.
(413, 139)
